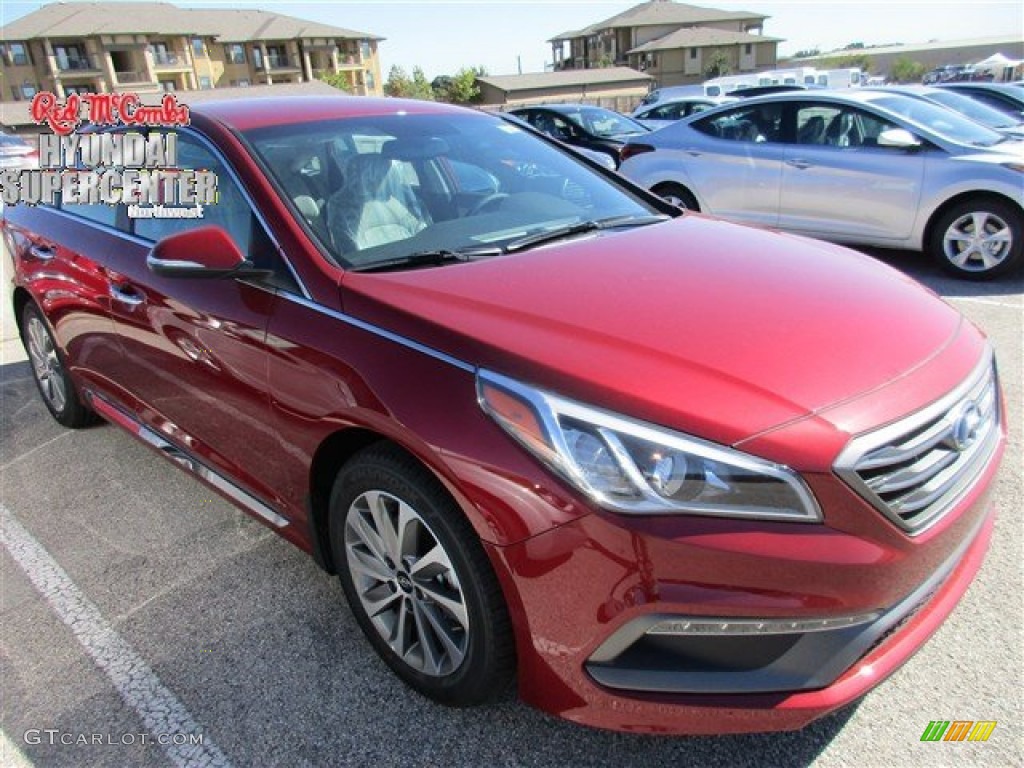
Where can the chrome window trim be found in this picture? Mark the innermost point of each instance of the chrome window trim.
(383, 333)
(845, 466)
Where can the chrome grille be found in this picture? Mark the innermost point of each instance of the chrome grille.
(916, 470)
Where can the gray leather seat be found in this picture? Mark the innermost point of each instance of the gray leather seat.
(374, 207)
(812, 132)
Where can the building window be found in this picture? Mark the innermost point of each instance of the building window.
(205, 83)
(70, 57)
(235, 53)
(17, 54)
(28, 91)
(371, 84)
(748, 49)
(257, 58)
(693, 54)
(243, 83)
(364, 49)
(276, 57)
(168, 86)
(81, 90)
(197, 46)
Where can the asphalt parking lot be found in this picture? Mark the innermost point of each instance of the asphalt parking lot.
(134, 602)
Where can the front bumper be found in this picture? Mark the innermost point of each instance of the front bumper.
(587, 590)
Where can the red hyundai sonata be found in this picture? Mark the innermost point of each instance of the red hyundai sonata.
(675, 475)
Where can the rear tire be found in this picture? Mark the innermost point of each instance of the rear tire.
(418, 580)
(978, 239)
(50, 371)
(677, 195)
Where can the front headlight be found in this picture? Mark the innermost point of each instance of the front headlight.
(630, 466)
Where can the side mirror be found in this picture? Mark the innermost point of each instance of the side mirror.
(206, 252)
(900, 138)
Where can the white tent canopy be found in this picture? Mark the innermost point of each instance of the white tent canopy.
(997, 62)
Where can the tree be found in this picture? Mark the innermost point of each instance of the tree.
(420, 86)
(463, 89)
(718, 65)
(398, 83)
(905, 70)
(859, 60)
(807, 53)
(338, 80)
(441, 86)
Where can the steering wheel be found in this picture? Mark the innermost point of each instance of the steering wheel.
(488, 201)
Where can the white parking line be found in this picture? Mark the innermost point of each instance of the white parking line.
(988, 302)
(138, 685)
(11, 755)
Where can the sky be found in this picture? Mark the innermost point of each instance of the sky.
(504, 36)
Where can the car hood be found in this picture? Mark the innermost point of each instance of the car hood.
(712, 328)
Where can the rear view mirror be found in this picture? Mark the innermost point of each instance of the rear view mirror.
(206, 252)
(900, 138)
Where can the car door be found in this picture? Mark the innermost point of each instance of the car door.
(195, 349)
(734, 162)
(61, 251)
(839, 182)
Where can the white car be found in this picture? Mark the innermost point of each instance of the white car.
(664, 113)
(851, 166)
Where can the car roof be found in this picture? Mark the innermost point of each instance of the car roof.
(844, 96)
(1010, 88)
(245, 114)
(689, 99)
(563, 108)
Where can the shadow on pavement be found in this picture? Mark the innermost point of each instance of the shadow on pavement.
(925, 270)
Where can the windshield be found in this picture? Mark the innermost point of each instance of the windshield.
(943, 121)
(973, 109)
(604, 123)
(378, 190)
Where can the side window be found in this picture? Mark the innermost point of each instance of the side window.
(816, 122)
(231, 212)
(563, 128)
(667, 112)
(759, 124)
(101, 214)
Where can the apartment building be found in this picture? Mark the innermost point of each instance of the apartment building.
(672, 42)
(86, 47)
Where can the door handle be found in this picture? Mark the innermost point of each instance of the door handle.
(42, 252)
(693, 152)
(128, 295)
(801, 164)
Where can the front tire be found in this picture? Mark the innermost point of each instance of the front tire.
(677, 195)
(50, 372)
(418, 581)
(978, 239)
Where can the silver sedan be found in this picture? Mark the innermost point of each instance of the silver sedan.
(855, 167)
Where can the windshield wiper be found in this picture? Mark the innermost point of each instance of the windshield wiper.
(581, 227)
(433, 258)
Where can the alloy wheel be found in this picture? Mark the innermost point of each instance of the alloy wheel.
(45, 363)
(977, 241)
(406, 583)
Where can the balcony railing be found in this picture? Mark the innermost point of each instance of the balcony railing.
(168, 60)
(275, 61)
(130, 77)
(78, 64)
